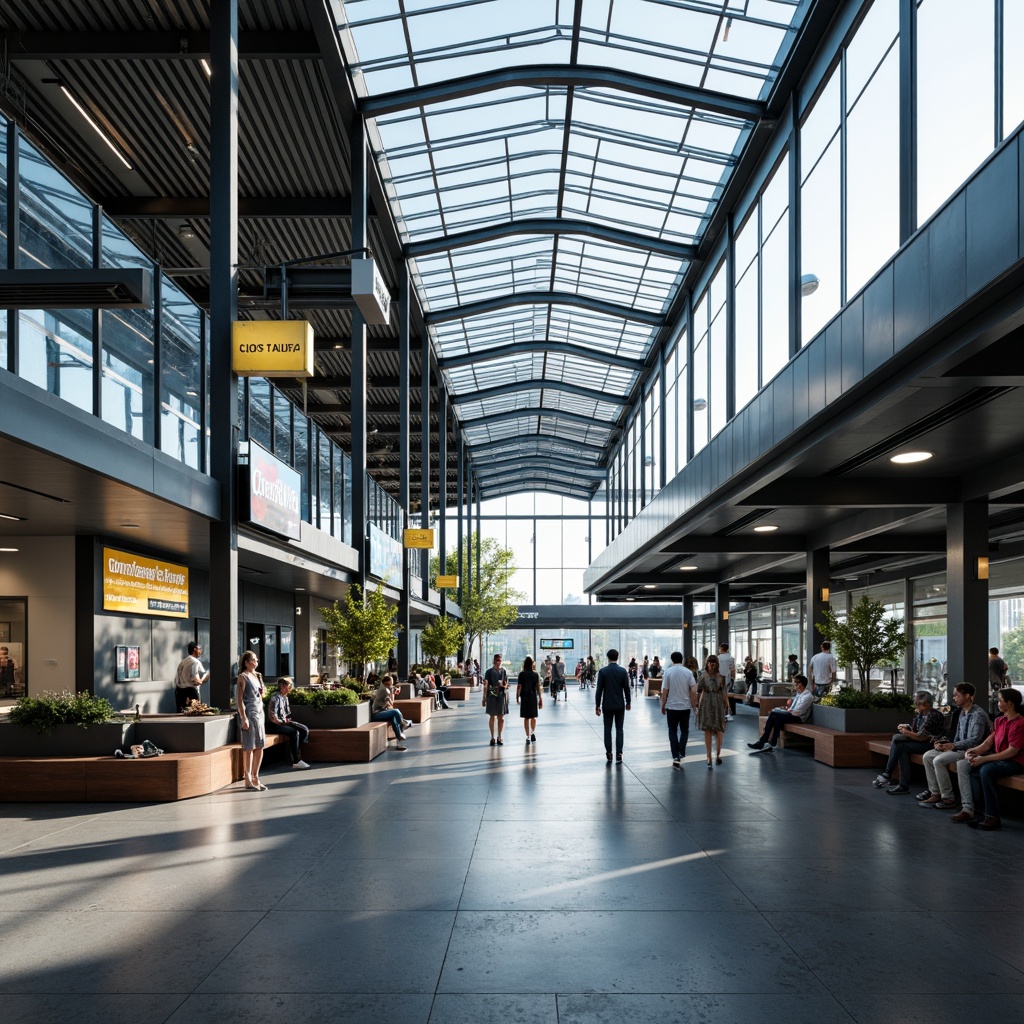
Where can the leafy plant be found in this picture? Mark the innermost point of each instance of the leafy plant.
(52, 709)
(364, 629)
(320, 699)
(867, 638)
(851, 698)
(198, 708)
(487, 600)
(441, 638)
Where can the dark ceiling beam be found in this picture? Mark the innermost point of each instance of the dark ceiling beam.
(759, 543)
(251, 207)
(501, 465)
(829, 492)
(559, 76)
(343, 383)
(385, 346)
(563, 348)
(863, 525)
(550, 226)
(994, 480)
(757, 566)
(577, 449)
(896, 543)
(538, 411)
(164, 45)
(519, 387)
(345, 408)
(470, 309)
(684, 582)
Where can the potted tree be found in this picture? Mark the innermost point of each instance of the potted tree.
(866, 639)
(364, 629)
(441, 638)
(63, 725)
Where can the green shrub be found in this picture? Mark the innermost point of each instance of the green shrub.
(320, 699)
(896, 701)
(50, 709)
(851, 698)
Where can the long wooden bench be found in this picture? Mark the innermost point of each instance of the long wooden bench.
(363, 743)
(416, 709)
(459, 692)
(836, 749)
(161, 779)
(882, 747)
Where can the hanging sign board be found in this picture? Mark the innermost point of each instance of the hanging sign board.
(418, 539)
(272, 348)
(370, 292)
(385, 557)
(135, 585)
(447, 582)
(270, 497)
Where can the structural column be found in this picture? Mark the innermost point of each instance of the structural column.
(425, 461)
(688, 628)
(358, 368)
(817, 600)
(442, 487)
(967, 597)
(404, 329)
(721, 614)
(223, 311)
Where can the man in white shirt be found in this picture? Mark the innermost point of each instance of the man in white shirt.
(727, 666)
(678, 699)
(798, 709)
(823, 670)
(188, 677)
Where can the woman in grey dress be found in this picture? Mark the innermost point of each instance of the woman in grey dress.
(530, 699)
(249, 704)
(711, 704)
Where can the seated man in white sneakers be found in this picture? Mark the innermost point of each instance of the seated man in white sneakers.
(972, 726)
(279, 719)
(797, 709)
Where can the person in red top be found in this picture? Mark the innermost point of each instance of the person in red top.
(1006, 743)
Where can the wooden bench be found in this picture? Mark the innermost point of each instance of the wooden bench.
(836, 749)
(459, 692)
(769, 704)
(161, 779)
(882, 747)
(363, 743)
(416, 709)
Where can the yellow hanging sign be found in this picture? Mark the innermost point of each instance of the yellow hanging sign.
(418, 539)
(272, 348)
(447, 582)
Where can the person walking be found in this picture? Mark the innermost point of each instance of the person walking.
(712, 691)
(530, 699)
(678, 697)
(558, 679)
(822, 671)
(751, 671)
(613, 697)
(496, 699)
(249, 703)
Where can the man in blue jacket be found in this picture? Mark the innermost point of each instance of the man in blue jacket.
(613, 697)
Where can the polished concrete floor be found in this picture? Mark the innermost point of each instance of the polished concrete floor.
(458, 882)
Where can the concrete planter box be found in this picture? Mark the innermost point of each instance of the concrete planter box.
(65, 740)
(858, 720)
(336, 716)
(181, 734)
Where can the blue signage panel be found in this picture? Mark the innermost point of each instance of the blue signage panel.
(385, 557)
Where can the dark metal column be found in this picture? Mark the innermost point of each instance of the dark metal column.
(460, 484)
(223, 311)
(721, 614)
(688, 627)
(470, 486)
(908, 119)
(795, 266)
(357, 154)
(13, 228)
(967, 597)
(661, 440)
(817, 586)
(404, 328)
(425, 460)
(442, 486)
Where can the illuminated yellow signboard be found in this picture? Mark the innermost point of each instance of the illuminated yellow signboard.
(447, 582)
(418, 539)
(272, 348)
(144, 586)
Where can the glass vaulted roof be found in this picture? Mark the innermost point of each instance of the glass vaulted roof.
(552, 166)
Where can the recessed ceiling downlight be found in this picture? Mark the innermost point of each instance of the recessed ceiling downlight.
(765, 529)
(906, 458)
(687, 568)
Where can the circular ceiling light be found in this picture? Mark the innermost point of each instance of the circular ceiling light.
(906, 458)
(765, 529)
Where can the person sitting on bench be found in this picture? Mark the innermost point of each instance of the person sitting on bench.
(797, 709)
(279, 719)
(917, 737)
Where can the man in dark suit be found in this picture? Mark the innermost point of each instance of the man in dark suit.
(613, 697)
